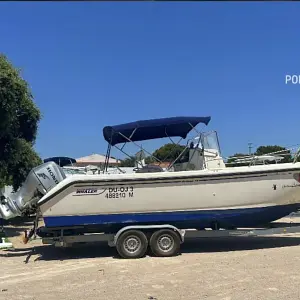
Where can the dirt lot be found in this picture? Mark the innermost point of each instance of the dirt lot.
(227, 268)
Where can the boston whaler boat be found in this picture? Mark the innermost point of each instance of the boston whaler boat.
(153, 206)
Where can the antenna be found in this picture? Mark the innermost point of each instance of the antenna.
(250, 147)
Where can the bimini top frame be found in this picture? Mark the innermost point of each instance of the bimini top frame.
(61, 160)
(152, 129)
(148, 130)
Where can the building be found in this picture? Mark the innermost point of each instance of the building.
(95, 160)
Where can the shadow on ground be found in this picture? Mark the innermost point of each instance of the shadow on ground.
(225, 244)
(16, 226)
(48, 252)
(92, 250)
(14, 231)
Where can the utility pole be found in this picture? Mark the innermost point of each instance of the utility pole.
(250, 147)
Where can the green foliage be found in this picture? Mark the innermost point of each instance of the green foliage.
(19, 118)
(150, 160)
(271, 149)
(166, 153)
(170, 152)
(128, 162)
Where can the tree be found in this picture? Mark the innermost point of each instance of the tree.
(19, 118)
(170, 152)
(274, 150)
(128, 162)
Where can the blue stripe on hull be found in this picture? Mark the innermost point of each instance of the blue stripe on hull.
(246, 217)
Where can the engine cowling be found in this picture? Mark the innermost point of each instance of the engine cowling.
(39, 181)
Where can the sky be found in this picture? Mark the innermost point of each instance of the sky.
(93, 64)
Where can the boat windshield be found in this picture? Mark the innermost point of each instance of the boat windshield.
(210, 141)
(73, 171)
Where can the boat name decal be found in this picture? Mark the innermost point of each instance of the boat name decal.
(52, 175)
(120, 192)
(89, 191)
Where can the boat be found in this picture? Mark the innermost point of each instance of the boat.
(199, 193)
(69, 167)
(263, 159)
(67, 164)
(61, 161)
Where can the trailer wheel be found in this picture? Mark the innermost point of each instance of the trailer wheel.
(132, 244)
(165, 242)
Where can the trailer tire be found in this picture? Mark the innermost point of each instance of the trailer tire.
(132, 244)
(165, 242)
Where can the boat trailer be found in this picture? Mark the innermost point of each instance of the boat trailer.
(163, 240)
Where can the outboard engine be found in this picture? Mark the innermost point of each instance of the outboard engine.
(38, 182)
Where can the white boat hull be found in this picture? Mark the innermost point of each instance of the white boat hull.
(194, 197)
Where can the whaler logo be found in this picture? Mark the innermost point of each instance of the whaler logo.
(86, 191)
(89, 191)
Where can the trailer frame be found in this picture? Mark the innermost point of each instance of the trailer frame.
(113, 239)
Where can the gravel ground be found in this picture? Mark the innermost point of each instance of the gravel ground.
(225, 268)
